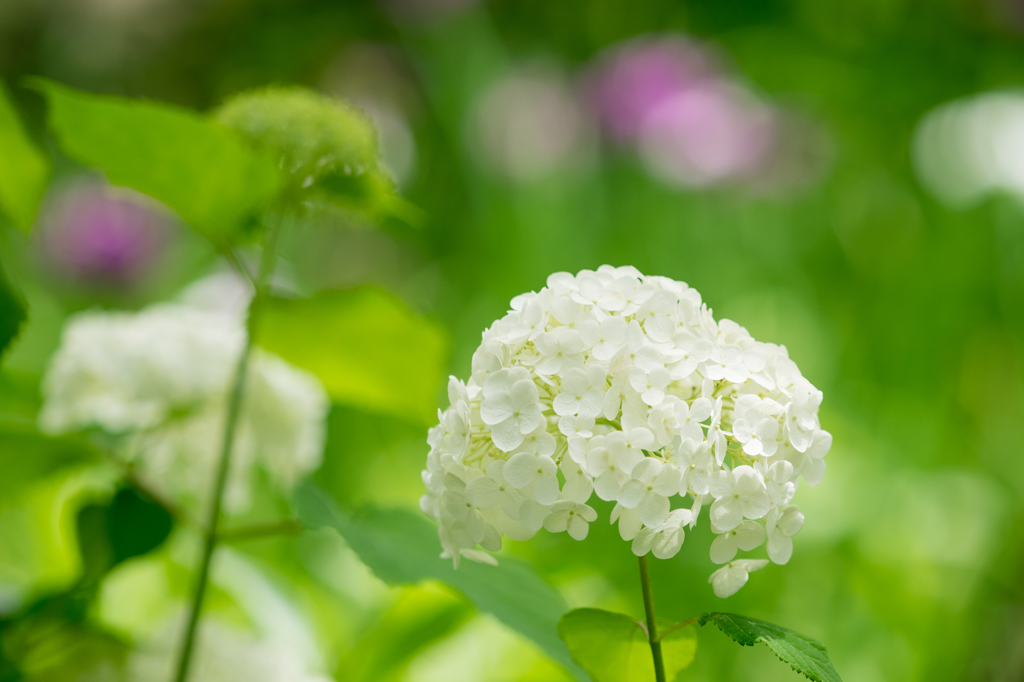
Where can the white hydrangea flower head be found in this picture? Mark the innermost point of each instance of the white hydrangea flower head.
(158, 380)
(624, 386)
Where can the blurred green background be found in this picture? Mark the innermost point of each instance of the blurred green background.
(906, 309)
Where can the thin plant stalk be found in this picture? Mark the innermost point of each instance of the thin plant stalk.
(260, 531)
(234, 409)
(652, 625)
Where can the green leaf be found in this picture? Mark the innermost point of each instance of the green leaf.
(401, 548)
(369, 349)
(371, 194)
(12, 311)
(52, 641)
(194, 165)
(613, 647)
(803, 654)
(24, 169)
(126, 526)
(418, 618)
(678, 649)
(27, 456)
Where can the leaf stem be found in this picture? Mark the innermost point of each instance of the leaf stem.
(652, 625)
(678, 626)
(234, 409)
(239, 267)
(259, 531)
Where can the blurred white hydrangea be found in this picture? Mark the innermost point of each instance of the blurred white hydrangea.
(223, 654)
(622, 385)
(967, 149)
(159, 380)
(531, 124)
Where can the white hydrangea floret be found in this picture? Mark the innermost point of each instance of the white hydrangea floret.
(624, 386)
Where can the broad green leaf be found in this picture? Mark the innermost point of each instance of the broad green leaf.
(613, 647)
(46, 512)
(369, 349)
(27, 456)
(126, 526)
(401, 548)
(803, 654)
(12, 313)
(24, 169)
(194, 165)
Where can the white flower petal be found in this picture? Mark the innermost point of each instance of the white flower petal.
(654, 509)
(522, 469)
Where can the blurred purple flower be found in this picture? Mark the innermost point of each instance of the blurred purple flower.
(641, 75)
(101, 234)
(694, 125)
(708, 133)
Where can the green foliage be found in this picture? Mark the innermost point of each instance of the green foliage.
(613, 647)
(52, 638)
(369, 348)
(371, 195)
(127, 526)
(419, 618)
(327, 147)
(401, 548)
(311, 135)
(27, 456)
(53, 645)
(803, 654)
(192, 164)
(24, 171)
(902, 311)
(12, 311)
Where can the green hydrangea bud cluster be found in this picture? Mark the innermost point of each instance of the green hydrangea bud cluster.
(314, 135)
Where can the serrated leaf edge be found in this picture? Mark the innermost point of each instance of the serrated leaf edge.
(751, 641)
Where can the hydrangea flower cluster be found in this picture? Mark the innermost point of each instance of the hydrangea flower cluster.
(158, 381)
(622, 385)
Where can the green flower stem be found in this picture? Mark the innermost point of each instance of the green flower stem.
(260, 531)
(234, 410)
(652, 625)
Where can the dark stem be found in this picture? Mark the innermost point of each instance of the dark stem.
(234, 410)
(652, 625)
